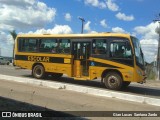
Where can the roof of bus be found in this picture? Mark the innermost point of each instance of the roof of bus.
(76, 35)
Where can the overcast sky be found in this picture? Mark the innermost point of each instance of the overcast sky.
(61, 16)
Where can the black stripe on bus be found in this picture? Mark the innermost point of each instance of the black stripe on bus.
(39, 58)
(58, 60)
(99, 64)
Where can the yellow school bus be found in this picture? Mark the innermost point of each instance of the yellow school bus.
(115, 58)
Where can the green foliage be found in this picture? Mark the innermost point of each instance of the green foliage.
(14, 35)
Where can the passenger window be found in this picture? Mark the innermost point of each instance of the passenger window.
(99, 46)
(48, 45)
(64, 46)
(120, 50)
(28, 45)
(21, 44)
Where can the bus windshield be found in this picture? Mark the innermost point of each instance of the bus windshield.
(138, 52)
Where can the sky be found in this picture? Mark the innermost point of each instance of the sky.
(61, 17)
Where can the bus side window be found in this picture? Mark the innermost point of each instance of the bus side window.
(120, 50)
(23, 45)
(116, 50)
(99, 46)
(27, 45)
(20, 45)
(128, 52)
(64, 46)
(32, 45)
(47, 45)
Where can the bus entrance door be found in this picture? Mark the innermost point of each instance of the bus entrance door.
(81, 54)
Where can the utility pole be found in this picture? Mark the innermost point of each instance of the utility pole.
(83, 20)
(158, 53)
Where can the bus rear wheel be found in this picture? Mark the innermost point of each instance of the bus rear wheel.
(56, 75)
(38, 71)
(113, 81)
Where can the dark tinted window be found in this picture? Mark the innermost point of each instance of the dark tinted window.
(48, 45)
(99, 46)
(64, 46)
(120, 50)
(28, 45)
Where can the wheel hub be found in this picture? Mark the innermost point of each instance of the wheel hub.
(38, 72)
(113, 81)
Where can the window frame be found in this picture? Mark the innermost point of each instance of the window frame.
(106, 46)
(125, 61)
(47, 38)
(62, 50)
(21, 43)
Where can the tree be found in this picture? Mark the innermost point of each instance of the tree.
(14, 35)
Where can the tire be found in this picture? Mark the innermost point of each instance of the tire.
(113, 81)
(38, 71)
(7, 63)
(125, 84)
(56, 75)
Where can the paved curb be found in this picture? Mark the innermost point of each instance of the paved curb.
(83, 89)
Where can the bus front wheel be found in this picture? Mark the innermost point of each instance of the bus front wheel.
(113, 81)
(38, 71)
